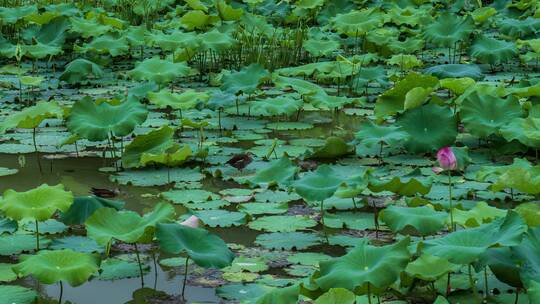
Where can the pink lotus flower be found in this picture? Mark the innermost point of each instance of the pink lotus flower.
(447, 160)
(192, 222)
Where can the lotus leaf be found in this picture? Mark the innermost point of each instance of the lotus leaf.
(365, 266)
(159, 71)
(244, 81)
(207, 250)
(31, 117)
(84, 206)
(371, 135)
(39, 203)
(280, 172)
(78, 71)
(97, 122)
(283, 105)
(106, 224)
(17, 294)
(318, 185)
(430, 268)
(413, 221)
(448, 29)
(493, 51)
(50, 267)
(455, 71)
(430, 127)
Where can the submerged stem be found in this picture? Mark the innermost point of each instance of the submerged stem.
(61, 292)
(140, 265)
(185, 278)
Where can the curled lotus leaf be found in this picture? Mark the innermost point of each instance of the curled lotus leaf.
(160, 71)
(493, 51)
(80, 70)
(32, 117)
(448, 29)
(318, 185)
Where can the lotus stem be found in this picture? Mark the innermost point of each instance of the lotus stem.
(61, 292)
(448, 285)
(452, 224)
(140, 265)
(155, 269)
(380, 153)
(486, 293)
(36, 150)
(185, 277)
(322, 221)
(472, 282)
(516, 300)
(376, 219)
(37, 236)
(354, 204)
(369, 292)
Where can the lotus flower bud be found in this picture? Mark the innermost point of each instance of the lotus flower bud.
(446, 158)
(192, 222)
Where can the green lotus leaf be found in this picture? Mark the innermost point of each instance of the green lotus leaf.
(256, 264)
(413, 221)
(84, 206)
(282, 223)
(221, 218)
(31, 117)
(6, 273)
(350, 220)
(493, 51)
(364, 266)
(154, 142)
(354, 185)
(515, 130)
(504, 266)
(408, 185)
(38, 204)
(11, 15)
(337, 296)
(136, 35)
(371, 135)
(217, 41)
(530, 212)
(195, 20)
(457, 86)
(280, 295)
(527, 254)
(173, 156)
(482, 14)
(367, 75)
(79, 70)
(322, 100)
(263, 208)
(319, 48)
(520, 175)
(40, 50)
(473, 243)
(186, 100)
(357, 22)
(227, 12)
(318, 185)
(76, 243)
(50, 267)
(393, 100)
(88, 27)
(174, 40)
(455, 70)
(518, 28)
(430, 268)
(280, 172)
(334, 147)
(405, 62)
(106, 224)
(197, 5)
(483, 114)
(106, 44)
(8, 225)
(481, 213)
(287, 240)
(16, 294)
(448, 29)
(244, 81)
(159, 71)
(430, 127)
(97, 122)
(117, 269)
(276, 106)
(17, 243)
(31, 81)
(206, 249)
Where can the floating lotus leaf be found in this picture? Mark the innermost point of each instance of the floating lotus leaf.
(97, 122)
(322, 100)
(334, 147)
(364, 266)
(106, 224)
(281, 172)
(159, 71)
(244, 81)
(32, 117)
(493, 51)
(414, 221)
(276, 106)
(282, 223)
(117, 269)
(11, 15)
(8, 226)
(17, 294)
(76, 243)
(318, 185)
(448, 29)
(38, 204)
(430, 127)
(393, 100)
(371, 135)
(483, 114)
(455, 71)
(79, 70)
(50, 267)
(17, 243)
(287, 240)
(84, 206)
(206, 249)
